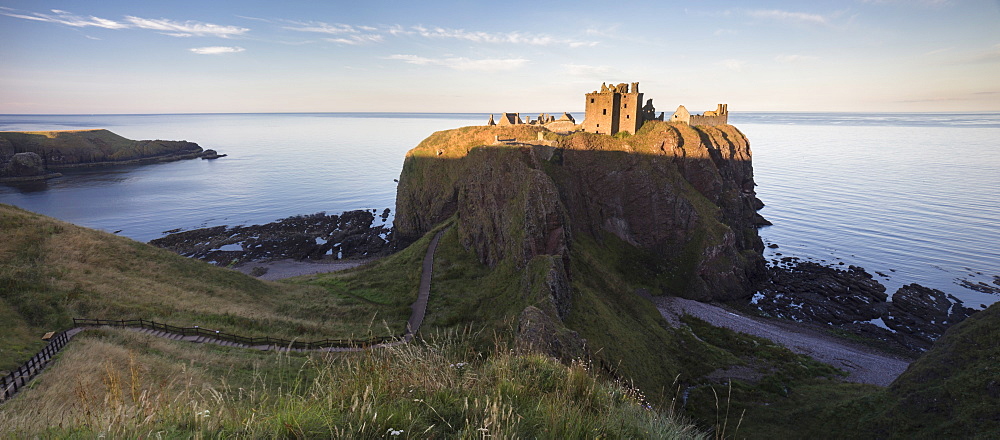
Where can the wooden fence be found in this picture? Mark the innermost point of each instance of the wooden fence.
(17, 379)
(229, 337)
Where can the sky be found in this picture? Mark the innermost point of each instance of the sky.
(179, 56)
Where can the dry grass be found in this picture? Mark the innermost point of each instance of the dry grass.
(123, 385)
(51, 272)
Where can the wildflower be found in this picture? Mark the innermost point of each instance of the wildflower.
(394, 432)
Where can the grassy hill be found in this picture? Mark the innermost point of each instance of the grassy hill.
(123, 384)
(69, 148)
(51, 272)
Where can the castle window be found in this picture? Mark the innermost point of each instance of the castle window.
(626, 105)
(605, 111)
(591, 100)
(628, 116)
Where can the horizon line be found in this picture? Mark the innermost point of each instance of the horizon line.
(478, 113)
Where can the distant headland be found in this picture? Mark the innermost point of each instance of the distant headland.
(38, 155)
(614, 109)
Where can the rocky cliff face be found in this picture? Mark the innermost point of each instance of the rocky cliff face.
(23, 166)
(682, 195)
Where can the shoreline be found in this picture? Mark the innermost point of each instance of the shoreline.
(287, 268)
(163, 158)
(37, 178)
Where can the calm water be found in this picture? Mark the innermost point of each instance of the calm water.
(914, 196)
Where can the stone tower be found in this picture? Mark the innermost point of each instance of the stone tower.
(614, 108)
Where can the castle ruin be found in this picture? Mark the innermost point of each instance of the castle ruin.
(719, 116)
(566, 123)
(614, 109)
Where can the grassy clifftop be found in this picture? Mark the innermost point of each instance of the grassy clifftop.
(63, 149)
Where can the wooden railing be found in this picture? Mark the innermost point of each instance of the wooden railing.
(17, 379)
(223, 336)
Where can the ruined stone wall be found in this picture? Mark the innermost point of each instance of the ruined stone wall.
(630, 112)
(510, 119)
(719, 116)
(562, 126)
(709, 120)
(601, 114)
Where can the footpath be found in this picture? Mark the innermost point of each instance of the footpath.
(17, 379)
(863, 364)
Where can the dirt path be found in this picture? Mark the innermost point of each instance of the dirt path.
(419, 307)
(863, 364)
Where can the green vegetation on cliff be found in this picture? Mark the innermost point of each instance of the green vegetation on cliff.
(80, 148)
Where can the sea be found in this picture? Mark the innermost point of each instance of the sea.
(911, 197)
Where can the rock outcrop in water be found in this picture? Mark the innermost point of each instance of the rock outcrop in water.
(24, 167)
(57, 150)
(853, 301)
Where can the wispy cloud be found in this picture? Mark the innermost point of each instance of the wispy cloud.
(165, 26)
(610, 31)
(794, 58)
(65, 18)
(461, 63)
(732, 64)
(323, 28)
(216, 50)
(513, 37)
(989, 55)
(937, 51)
(186, 28)
(497, 38)
(357, 39)
(788, 16)
(922, 3)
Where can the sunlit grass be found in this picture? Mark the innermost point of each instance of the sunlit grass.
(120, 384)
